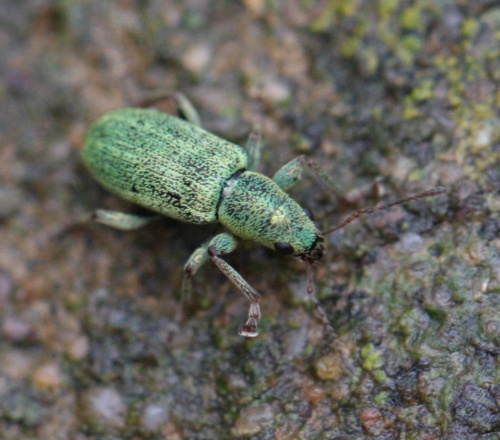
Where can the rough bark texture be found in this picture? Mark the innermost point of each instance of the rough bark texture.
(94, 340)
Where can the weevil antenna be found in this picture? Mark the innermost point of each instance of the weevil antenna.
(310, 292)
(324, 317)
(355, 215)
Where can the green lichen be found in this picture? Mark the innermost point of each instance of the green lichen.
(386, 8)
(372, 358)
(333, 11)
(380, 376)
(424, 91)
(411, 18)
(382, 398)
(469, 27)
(412, 43)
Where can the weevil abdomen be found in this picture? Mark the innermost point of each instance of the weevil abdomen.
(162, 163)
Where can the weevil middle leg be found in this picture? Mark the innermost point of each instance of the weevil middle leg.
(223, 244)
(122, 220)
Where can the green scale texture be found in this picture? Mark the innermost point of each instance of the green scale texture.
(162, 163)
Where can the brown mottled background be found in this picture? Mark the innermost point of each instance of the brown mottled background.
(94, 341)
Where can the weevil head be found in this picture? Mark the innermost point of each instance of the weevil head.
(254, 207)
(315, 252)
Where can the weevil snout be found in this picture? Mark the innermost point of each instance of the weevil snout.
(315, 252)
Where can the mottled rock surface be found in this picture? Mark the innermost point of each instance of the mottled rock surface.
(389, 97)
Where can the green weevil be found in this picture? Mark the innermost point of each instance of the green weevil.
(177, 169)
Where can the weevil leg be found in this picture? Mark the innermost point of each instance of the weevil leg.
(184, 106)
(253, 148)
(248, 330)
(224, 244)
(122, 220)
(290, 173)
(197, 259)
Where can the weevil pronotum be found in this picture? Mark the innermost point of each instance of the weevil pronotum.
(177, 169)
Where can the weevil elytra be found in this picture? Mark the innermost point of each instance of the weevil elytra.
(177, 169)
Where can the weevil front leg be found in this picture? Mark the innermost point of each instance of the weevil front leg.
(223, 244)
(197, 259)
(290, 173)
(122, 220)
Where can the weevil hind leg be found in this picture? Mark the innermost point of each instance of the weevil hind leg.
(253, 148)
(122, 220)
(224, 244)
(185, 108)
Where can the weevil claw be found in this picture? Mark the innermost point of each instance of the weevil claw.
(249, 330)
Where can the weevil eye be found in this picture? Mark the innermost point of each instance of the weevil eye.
(309, 213)
(284, 248)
